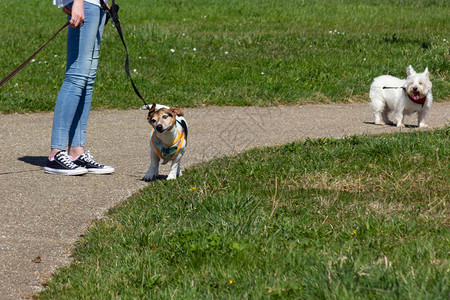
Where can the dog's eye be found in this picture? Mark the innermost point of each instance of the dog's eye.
(153, 120)
(165, 116)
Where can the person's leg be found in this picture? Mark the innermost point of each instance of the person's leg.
(71, 101)
(76, 94)
(91, 38)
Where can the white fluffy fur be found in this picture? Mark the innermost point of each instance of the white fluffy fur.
(390, 94)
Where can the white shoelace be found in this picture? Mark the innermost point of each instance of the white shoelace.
(65, 159)
(90, 159)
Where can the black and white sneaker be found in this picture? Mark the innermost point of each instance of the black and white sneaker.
(87, 161)
(62, 164)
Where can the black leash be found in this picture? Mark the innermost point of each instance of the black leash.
(4, 80)
(112, 13)
(394, 87)
(418, 101)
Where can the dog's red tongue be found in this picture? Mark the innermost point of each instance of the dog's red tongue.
(416, 96)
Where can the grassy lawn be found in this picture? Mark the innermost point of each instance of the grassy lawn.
(358, 218)
(211, 52)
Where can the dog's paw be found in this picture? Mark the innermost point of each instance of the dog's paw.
(149, 178)
(423, 125)
(171, 176)
(400, 125)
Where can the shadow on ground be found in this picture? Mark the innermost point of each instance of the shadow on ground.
(34, 160)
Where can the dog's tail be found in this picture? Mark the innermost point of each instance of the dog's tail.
(148, 106)
(183, 124)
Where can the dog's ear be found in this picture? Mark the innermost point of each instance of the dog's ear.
(410, 71)
(176, 111)
(426, 72)
(152, 109)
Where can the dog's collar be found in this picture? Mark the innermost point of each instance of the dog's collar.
(418, 101)
(175, 141)
(168, 152)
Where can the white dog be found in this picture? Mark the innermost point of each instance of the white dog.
(167, 141)
(402, 96)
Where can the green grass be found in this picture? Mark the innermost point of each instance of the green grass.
(247, 52)
(358, 218)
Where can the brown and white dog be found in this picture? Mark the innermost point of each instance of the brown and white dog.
(167, 141)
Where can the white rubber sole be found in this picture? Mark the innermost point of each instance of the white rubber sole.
(74, 172)
(101, 171)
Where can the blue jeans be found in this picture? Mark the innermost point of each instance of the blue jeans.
(73, 104)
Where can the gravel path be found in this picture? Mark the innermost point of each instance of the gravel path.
(42, 216)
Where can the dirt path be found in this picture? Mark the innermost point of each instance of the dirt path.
(43, 215)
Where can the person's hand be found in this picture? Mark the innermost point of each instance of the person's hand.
(77, 13)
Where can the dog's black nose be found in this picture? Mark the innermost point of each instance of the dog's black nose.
(159, 127)
(415, 89)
